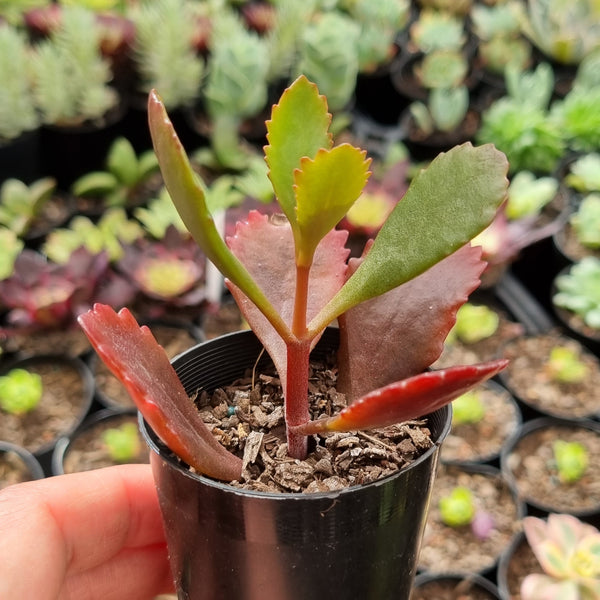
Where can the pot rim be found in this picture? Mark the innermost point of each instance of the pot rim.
(160, 449)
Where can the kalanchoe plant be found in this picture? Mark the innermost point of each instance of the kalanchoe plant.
(586, 221)
(20, 391)
(290, 296)
(578, 290)
(123, 443)
(125, 174)
(565, 365)
(568, 551)
(571, 460)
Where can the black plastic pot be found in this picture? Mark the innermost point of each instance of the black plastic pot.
(462, 585)
(227, 543)
(32, 469)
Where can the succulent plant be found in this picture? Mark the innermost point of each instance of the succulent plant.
(571, 460)
(445, 110)
(468, 408)
(380, 22)
(20, 391)
(586, 221)
(578, 116)
(328, 55)
(158, 215)
(170, 270)
(108, 234)
(125, 175)
(42, 295)
(584, 173)
(518, 123)
(578, 290)
(21, 203)
(568, 551)
(528, 194)
(123, 442)
(446, 68)
(17, 106)
(315, 183)
(71, 77)
(10, 247)
(564, 30)
(457, 509)
(437, 30)
(12, 11)
(167, 60)
(236, 86)
(565, 365)
(474, 322)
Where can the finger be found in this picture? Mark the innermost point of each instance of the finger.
(74, 523)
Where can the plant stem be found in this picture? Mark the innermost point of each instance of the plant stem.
(298, 352)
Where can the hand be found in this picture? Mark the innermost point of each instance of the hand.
(93, 535)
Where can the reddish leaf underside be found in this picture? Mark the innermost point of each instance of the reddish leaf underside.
(141, 364)
(402, 332)
(407, 399)
(266, 248)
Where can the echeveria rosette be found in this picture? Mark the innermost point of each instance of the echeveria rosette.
(290, 275)
(568, 551)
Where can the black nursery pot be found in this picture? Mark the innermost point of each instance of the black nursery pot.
(228, 543)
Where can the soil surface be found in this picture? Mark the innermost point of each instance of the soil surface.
(533, 467)
(63, 404)
(68, 342)
(247, 418)
(527, 376)
(88, 451)
(457, 549)
(483, 441)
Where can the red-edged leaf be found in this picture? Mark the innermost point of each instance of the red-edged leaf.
(141, 364)
(407, 399)
(265, 246)
(402, 332)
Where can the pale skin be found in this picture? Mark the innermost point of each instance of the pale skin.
(85, 536)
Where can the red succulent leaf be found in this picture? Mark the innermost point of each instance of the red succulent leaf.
(260, 237)
(141, 364)
(402, 332)
(407, 399)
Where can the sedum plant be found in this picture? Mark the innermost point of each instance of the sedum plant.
(236, 85)
(167, 60)
(457, 509)
(528, 194)
(445, 110)
(585, 221)
(565, 365)
(20, 391)
(71, 77)
(416, 281)
(437, 30)
(21, 203)
(468, 408)
(328, 55)
(578, 290)
(568, 551)
(474, 322)
(122, 443)
(564, 30)
(445, 68)
(584, 173)
(518, 123)
(18, 112)
(571, 459)
(125, 174)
